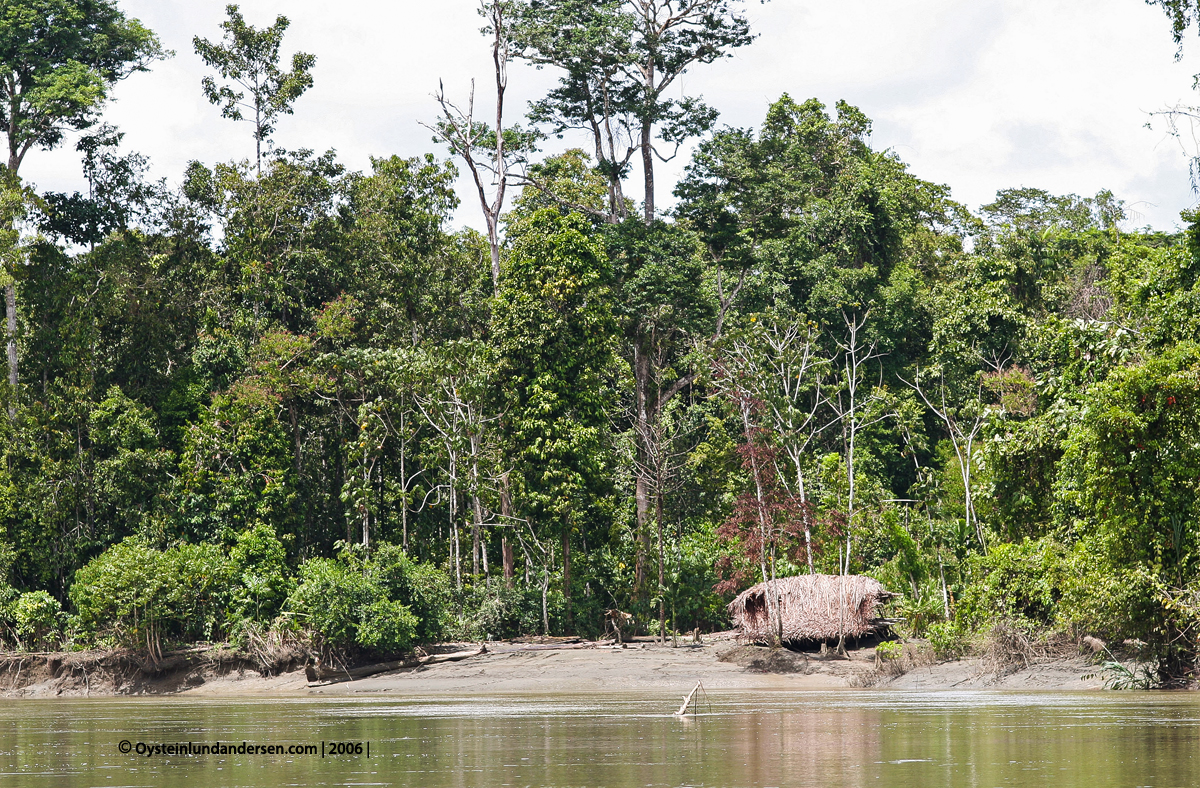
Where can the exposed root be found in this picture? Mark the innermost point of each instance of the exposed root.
(1010, 646)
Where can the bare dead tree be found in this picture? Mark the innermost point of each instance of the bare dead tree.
(851, 405)
(853, 409)
(780, 363)
(1183, 124)
(468, 138)
(963, 425)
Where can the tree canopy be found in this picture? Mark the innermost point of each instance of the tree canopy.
(249, 58)
(289, 399)
(59, 59)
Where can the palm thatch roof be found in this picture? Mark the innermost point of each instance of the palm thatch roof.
(813, 607)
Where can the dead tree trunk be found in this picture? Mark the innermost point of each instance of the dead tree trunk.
(506, 549)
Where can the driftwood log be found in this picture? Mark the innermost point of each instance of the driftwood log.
(316, 674)
(556, 646)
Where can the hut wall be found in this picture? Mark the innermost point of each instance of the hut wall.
(813, 607)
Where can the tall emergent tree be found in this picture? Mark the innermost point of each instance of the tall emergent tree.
(249, 59)
(621, 57)
(590, 43)
(58, 61)
(1182, 14)
(487, 148)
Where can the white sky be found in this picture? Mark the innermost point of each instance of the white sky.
(977, 94)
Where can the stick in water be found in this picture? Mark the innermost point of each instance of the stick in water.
(687, 701)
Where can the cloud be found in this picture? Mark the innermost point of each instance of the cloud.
(980, 96)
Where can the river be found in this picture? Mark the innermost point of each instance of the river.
(826, 739)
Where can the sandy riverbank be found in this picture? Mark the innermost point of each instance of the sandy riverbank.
(718, 666)
(522, 668)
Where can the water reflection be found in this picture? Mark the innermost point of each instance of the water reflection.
(740, 739)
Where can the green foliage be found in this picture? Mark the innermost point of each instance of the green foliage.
(134, 594)
(1020, 582)
(908, 556)
(8, 556)
(1023, 457)
(411, 278)
(117, 192)
(568, 184)
(424, 588)
(62, 57)
(386, 627)
(890, 650)
(236, 468)
(947, 640)
(1182, 14)
(920, 610)
(1110, 602)
(259, 567)
(131, 469)
(553, 328)
(825, 217)
(333, 600)
(691, 601)
(284, 242)
(514, 612)
(383, 603)
(239, 375)
(39, 619)
(1134, 463)
(249, 59)
(1119, 676)
(602, 48)
(1154, 292)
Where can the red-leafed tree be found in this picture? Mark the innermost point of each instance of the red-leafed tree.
(767, 521)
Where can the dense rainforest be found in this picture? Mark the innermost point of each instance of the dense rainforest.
(280, 396)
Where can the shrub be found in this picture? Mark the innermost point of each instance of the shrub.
(330, 599)
(38, 618)
(387, 627)
(135, 594)
(691, 601)
(890, 650)
(259, 564)
(424, 588)
(513, 612)
(919, 605)
(1113, 603)
(1014, 582)
(920, 613)
(947, 640)
(383, 601)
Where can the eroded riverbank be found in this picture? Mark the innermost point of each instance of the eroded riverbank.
(521, 668)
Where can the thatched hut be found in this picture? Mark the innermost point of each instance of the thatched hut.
(813, 607)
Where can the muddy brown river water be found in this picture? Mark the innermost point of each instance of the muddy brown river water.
(826, 739)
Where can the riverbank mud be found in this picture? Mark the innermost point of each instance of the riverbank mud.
(521, 668)
(99, 673)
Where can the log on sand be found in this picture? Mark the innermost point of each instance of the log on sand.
(316, 674)
(556, 646)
